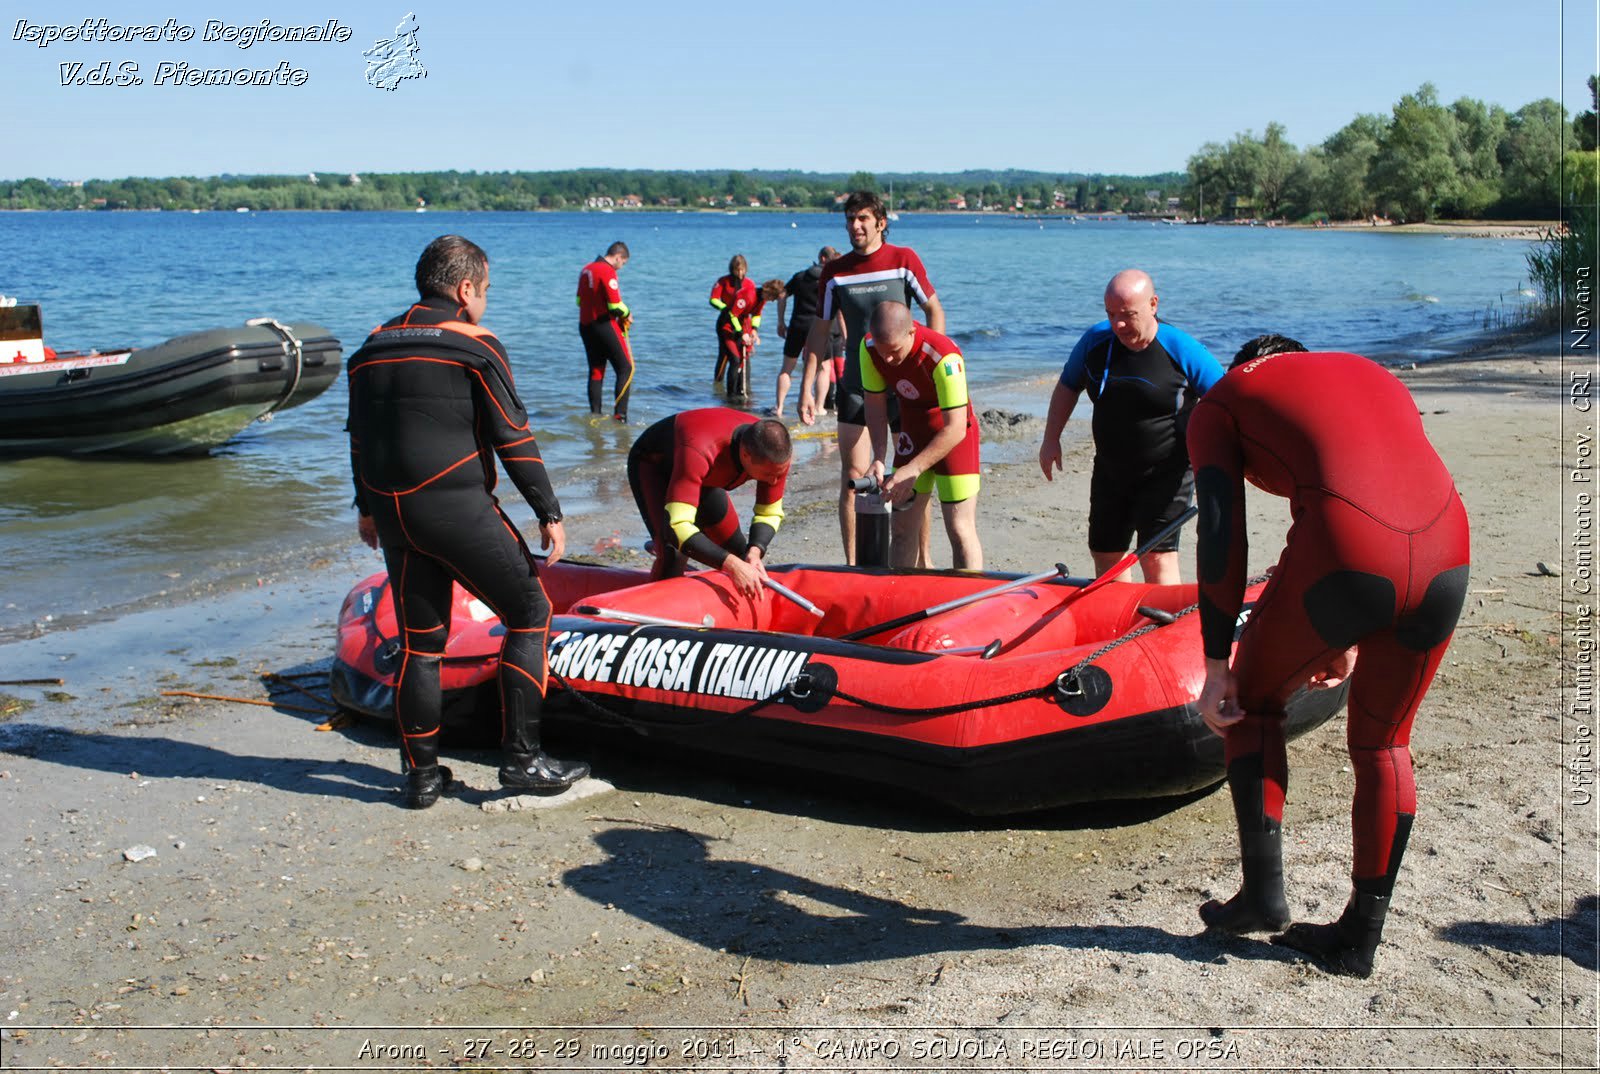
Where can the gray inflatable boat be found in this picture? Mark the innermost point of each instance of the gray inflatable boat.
(181, 397)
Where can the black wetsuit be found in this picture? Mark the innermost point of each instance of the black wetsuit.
(431, 404)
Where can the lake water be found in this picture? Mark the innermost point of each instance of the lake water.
(83, 536)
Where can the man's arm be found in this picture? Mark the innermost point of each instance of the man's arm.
(1063, 400)
(933, 309)
(1221, 541)
(943, 443)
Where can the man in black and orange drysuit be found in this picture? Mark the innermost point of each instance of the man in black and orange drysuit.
(603, 324)
(1372, 577)
(681, 469)
(432, 403)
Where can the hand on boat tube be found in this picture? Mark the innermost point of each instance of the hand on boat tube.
(553, 539)
(368, 530)
(1219, 698)
(746, 575)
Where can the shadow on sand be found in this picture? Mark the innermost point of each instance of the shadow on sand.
(771, 914)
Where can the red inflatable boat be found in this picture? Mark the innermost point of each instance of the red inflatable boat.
(1050, 692)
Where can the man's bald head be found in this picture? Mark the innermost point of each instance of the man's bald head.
(893, 331)
(1131, 284)
(1131, 308)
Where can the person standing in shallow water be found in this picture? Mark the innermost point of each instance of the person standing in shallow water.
(432, 404)
(1369, 585)
(603, 325)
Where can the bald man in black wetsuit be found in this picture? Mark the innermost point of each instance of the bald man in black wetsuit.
(432, 403)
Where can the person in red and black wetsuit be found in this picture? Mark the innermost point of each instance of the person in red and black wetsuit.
(681, 469)
(603, 323)
(432, 403)
(1372, 578)
(734, 297)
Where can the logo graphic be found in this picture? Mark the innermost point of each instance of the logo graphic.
(391, 62)
(907, 389)
(903, 447)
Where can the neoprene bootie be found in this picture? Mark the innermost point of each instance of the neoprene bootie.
(1259, 905)
(541, 773)
(426, 778)
(1347, 946)
(424, 785)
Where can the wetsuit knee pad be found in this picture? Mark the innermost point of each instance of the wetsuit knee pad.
(427, 643)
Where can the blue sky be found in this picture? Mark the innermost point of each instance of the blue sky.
(1132, 87)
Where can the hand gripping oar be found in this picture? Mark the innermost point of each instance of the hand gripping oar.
(784, 591)
(949, 605)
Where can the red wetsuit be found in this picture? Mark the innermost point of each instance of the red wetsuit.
(601, 316)
(432, 404)
(928, 382)
(1376, 557)
(680, 470)
(738, 304)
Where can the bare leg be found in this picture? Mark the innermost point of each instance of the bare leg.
(1104, 561)
(784, 380)
(1160, 568)
(925, 534)
(855, 456)
(961, 523)
(903, 523)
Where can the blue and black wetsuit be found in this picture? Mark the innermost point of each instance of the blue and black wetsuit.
(1142, 400)
(432, 403)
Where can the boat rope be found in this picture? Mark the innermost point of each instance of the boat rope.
(1068, 682)
(291, 348)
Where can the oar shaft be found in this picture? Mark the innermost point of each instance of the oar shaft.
(960, 602)
(635, 617)
(950, 605)
(784, 591)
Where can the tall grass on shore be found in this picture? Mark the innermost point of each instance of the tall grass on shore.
(1560, 263)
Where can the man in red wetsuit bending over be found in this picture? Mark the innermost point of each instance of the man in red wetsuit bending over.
(1376, 562)
(680, 470)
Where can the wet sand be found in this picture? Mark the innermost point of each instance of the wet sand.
(294, 915)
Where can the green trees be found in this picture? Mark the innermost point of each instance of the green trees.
(1423, 161)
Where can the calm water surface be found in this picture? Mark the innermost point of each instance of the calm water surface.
(81, 536)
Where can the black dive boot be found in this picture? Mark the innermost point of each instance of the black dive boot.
(529, 768)
(541, 773)
(1259, 905)
(1347, 946)
(426, 778)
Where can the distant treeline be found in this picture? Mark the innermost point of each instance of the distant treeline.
(1422, 162)
(593, 188)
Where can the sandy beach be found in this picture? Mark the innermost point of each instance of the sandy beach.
(293, 916)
